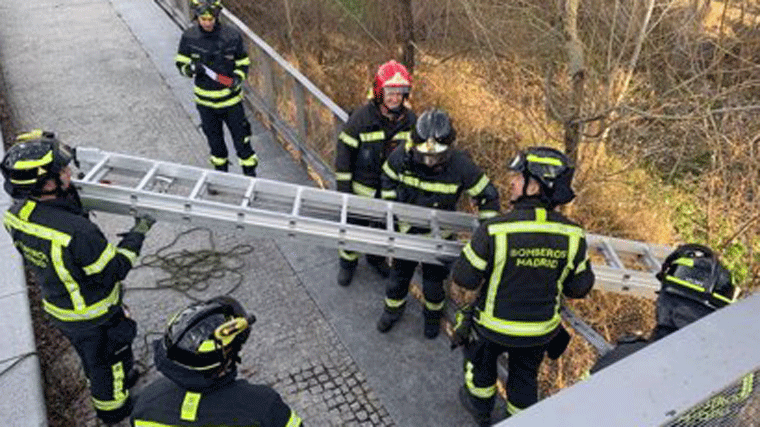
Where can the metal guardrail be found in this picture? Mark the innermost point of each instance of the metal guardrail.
(291, 105)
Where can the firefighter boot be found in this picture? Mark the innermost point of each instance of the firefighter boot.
(379, 264)
(389, 318)
(346, 272)
(249, 171)
(221, 168)
(480, 419)
(432, 323)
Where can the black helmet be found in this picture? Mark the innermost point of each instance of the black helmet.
(432, 137)
(206, 7)
(550, 168)
(693, 271)
(208, 334)
(35, 157)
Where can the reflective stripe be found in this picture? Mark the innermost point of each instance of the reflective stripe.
(219, 93)
(372, 136)
(240, 73)
(390, 172)
(362, 189)
(223, 104)
(348, 255)
(343, 176)
(512, 409)
(433, 187)
(34, 163)
(481, 392)
(217, 161)
(348, 140)
(190, 406)
(476, 261)
(131, 256)
(685, 283)
(487, 214)
(394, 303)
(105, 257)
(402, 136)
(294, 420)
(182, 58)
(388, 195)
(434, 306)
(119, 394)
(145, 423)
(250, 161)
(499, 232)
(243, 62)
(479, 186)
(36, 230)
(56, 255)
(87, 312)
(545, 160)
(582, 266)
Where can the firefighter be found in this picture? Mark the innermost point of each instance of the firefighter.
(693, 284)
(77, 269)
(428, 172)
(522, 261)
(372, 132)
(198, 356)
(215, 55)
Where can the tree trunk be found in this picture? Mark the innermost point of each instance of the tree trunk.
(578, 78)
(407, 34)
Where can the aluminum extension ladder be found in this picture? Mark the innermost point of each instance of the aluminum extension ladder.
(125, 184)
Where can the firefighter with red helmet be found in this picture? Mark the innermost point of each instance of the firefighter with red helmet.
(198, 356)
(522, 262)
(372, 132)
(215, 55)
(77, 269)
(427, 171)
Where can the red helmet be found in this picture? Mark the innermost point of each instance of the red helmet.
(391, 74)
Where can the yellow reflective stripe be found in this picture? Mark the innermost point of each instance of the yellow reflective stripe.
(685, 283)
(348, 140)
(520, 329)
(190, 406)
(243, 61)
(348, 255)
(56, 255)
(34, 163)
(512, 409)
(250, 161)
(689, 262)
(394, 303)
(487, 214)
(540, 215)
(219, 93)
(223, 104)
(217, 161)
(131, 256)
(343, 176)
(182, 59)
(36, 230)
(241, 74)
(146, 423)
(434, 306)
(119, 394)
(479, 186)
(481, 392)
(433, 187)
(536, 227)
(388, 194)
(476, 261)
(372, 136)
(105, 257)
(362, 189)
(26, 210)
(87, 312)
(402, 136)
(390, 172)
(582, 266)
(545, 160)
(294, 420)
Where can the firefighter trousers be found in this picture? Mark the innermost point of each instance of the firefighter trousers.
(233, 116)
(432, 283)
(106, 354)
(480, 374)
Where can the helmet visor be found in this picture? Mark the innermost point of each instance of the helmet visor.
(430, 153)
(395, 90)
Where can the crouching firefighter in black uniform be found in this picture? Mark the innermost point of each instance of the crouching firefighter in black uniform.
(521, 261)
(428, 172)
(215, 55)
(77, 270)
(198, 357)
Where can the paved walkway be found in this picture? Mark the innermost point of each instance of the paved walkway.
(100, 73)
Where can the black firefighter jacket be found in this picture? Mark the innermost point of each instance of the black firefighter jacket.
(524, 259)
(78, 270)
(364, 145)
(222, 51)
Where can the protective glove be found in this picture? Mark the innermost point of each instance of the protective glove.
(143, 222)
(236, 82)
(461, 333)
